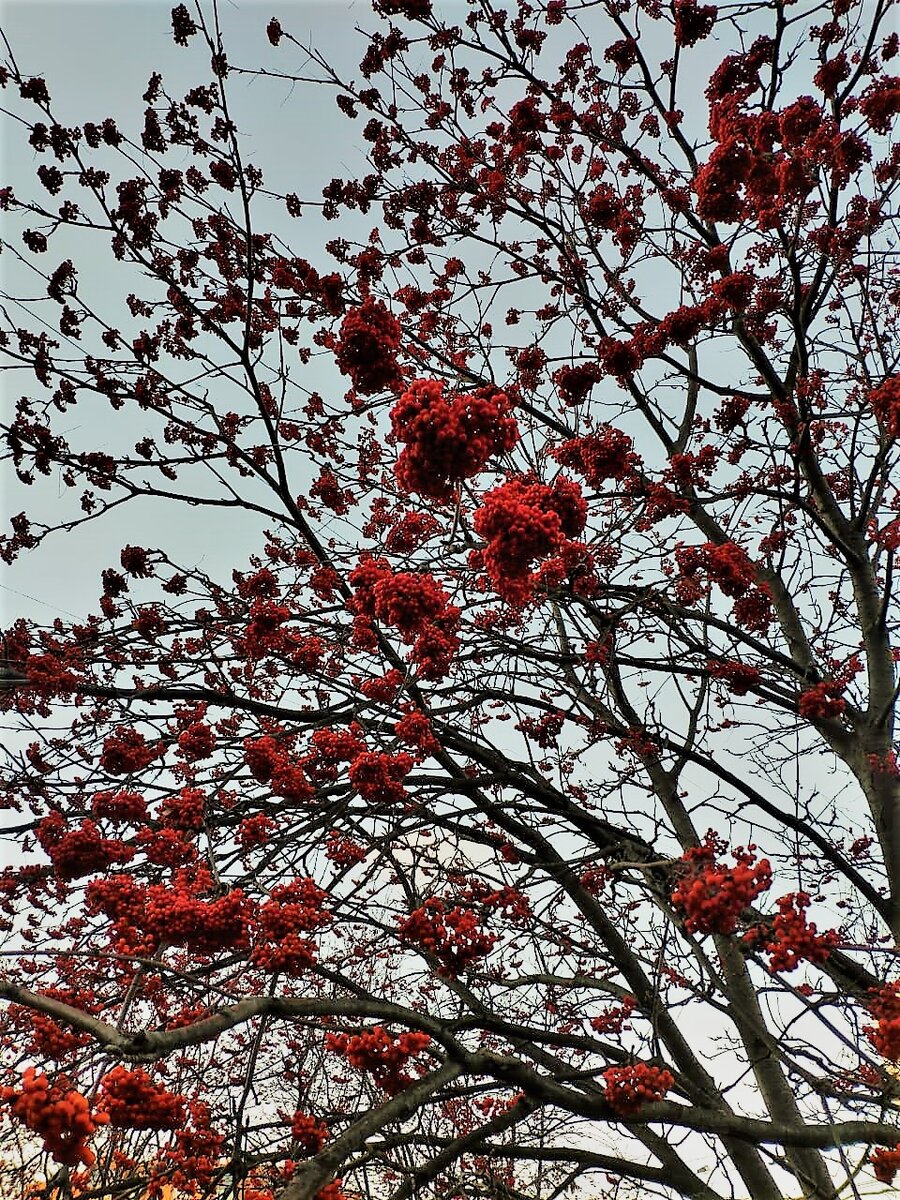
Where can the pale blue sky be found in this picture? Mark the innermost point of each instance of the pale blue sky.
(97, 59)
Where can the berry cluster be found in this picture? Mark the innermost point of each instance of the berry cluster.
(328, 491)
(414, 729)
(450, 934)
(628, 1089)
(522, 521)
(693, 21)
(194, 1158)
(884, 401)
(179, 916)
(410, 532)
(255, 831)
(333, 746)
(765, 164)
(367, 347)
(131, 1100)
(80, 851)
(184, 810)
(448, 438)
(384, 688)
(58, 1114)
(884, 1005)
(886, 1163)
(342, 850)
(737, 676)
(605, 454)
(614, 1018)
(711, 894)
(309, 1134)
(725, 564)
(574, 384)
(413, 603)
(270, 762)
(128, 751)
(408, 602)
(790, 939)
(264, 633)
(125, 807)
(822, 702)
(292, 909)
(49, 1039)
(197, 741)
(381, 1054)
(378, 777)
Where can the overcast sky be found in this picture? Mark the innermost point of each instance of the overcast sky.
(97, 59)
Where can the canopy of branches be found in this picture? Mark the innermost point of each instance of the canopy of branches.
(516, 814)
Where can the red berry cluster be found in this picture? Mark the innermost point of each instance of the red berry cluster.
(628, 1089)
(131, 1100)
(292, 909)
(271, 762)
(328, 491)
(343, 850)
(693, 21)
(383, 689)
(194, 1159)
(738, 677)
(255, 831)
(766, 163)
(179, 916)
(575, 384)
(264, 633)
(408, 602)
(333, 746)
(886, 1163)
(128, 751)
(725, 564)
(80, 851)
(884, 1005)
(450, 934)
(197, 741)
(414, 729)
(49, 1039)
(309, 1133)
(410, 532)
(791, 939)
(614, 1018)
(262, 756)
(413, 603)
(58, 1114)
(378, 777)
(754, 610)
(381, 1054)
(605, 454)
(134, 560)
(435, 649)
(184, 810)
(522, 521)
(367, 347)
(711, 894)
(125, 807)
(822, 702)
(881, 103)
(448, 438)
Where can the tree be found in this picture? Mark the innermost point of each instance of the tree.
(521, 817)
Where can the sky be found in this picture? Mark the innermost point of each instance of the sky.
(97, 59)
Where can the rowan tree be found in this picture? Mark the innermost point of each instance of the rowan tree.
(521, 816)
